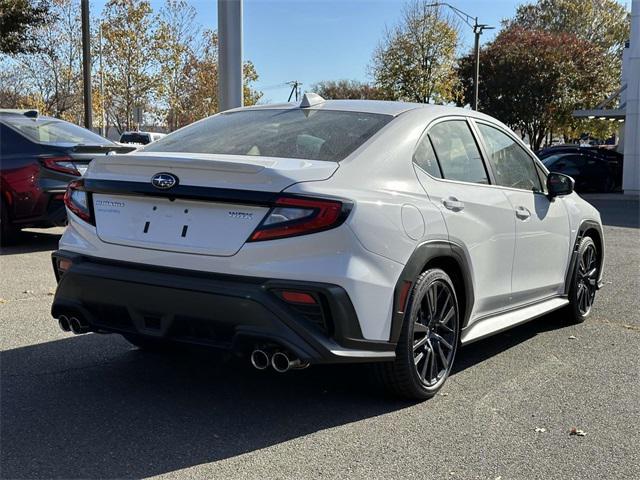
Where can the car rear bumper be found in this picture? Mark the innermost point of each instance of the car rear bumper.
(222, 311)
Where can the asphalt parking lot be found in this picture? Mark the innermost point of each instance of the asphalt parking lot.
(91, 406)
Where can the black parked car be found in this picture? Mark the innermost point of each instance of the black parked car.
(592, 173)
(39, 156)
(613, 158)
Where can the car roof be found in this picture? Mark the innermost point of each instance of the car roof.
(383, 107)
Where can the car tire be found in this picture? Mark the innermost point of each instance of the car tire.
(584, 282)
(428, 340)
(8, 233)
(149, 344)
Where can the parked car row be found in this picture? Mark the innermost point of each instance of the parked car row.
(39, 156)
(595, 169)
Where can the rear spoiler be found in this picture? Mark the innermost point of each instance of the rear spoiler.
(103, 148)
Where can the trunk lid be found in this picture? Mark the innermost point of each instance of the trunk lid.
(213, 226)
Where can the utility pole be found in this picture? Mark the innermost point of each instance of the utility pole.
(295, 89)
(478, 28)
(103, 119)
(86, 64)
(229, 54)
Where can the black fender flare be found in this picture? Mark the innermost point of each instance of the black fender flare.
(582, 230)
(421, 256)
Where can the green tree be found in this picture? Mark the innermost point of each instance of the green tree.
(533, 80)
(18, 19)
(347, 89)
(605, 23)
(130, 56)
(416, 60)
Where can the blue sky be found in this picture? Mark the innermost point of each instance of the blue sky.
(314, 40)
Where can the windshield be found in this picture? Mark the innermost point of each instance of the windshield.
(293, 133)
(550, 160)
(142, 138)
(53, 131)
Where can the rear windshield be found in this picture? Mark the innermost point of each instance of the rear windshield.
(142, 138)
(294, 133)
(52, 131)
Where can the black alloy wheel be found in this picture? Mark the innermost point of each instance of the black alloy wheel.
(428, 341)
(585, 280)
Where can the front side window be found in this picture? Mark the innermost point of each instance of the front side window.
(457, 152)
(511, 164)
(292, 133)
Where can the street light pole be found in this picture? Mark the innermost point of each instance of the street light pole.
(476, 79)
(478, 28)
(229, 54)
(86, 64)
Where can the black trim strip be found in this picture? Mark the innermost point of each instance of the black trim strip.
(188, 192)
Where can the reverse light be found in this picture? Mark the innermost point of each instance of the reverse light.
(76, 200)
(292, 216)
(61, 164)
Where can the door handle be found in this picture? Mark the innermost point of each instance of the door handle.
(453, 204)
(522, 213)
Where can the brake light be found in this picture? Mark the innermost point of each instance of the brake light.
(76, 200)
(61, 164)
(292, 216)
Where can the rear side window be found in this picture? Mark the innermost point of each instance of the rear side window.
(292, 133)
(426, 159)
(511, 164)
(457, 152)
(53, 131)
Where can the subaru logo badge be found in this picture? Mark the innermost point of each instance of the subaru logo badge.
(164, 181)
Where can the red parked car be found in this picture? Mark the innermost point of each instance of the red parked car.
(39, 156)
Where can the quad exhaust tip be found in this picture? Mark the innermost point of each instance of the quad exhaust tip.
(73, 324)
(260, 359)
(279, 360)
(63, 322)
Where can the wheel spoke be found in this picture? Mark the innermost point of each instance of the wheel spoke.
(443, 357)
(423, 372)
(448, 316)
(420, 343)
(442, 341)
(419, 328)
(418, 358)
(433, 373)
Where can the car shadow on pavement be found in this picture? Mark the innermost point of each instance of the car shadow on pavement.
(31, 241)
(92, 407)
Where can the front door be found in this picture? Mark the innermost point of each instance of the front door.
(542, 224)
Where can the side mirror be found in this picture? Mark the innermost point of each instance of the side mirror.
(559, 184)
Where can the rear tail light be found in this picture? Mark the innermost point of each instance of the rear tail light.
(292, 216)
(61, 164)
(77, 201)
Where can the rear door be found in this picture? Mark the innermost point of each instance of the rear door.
(478, 216)
(542, 224)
